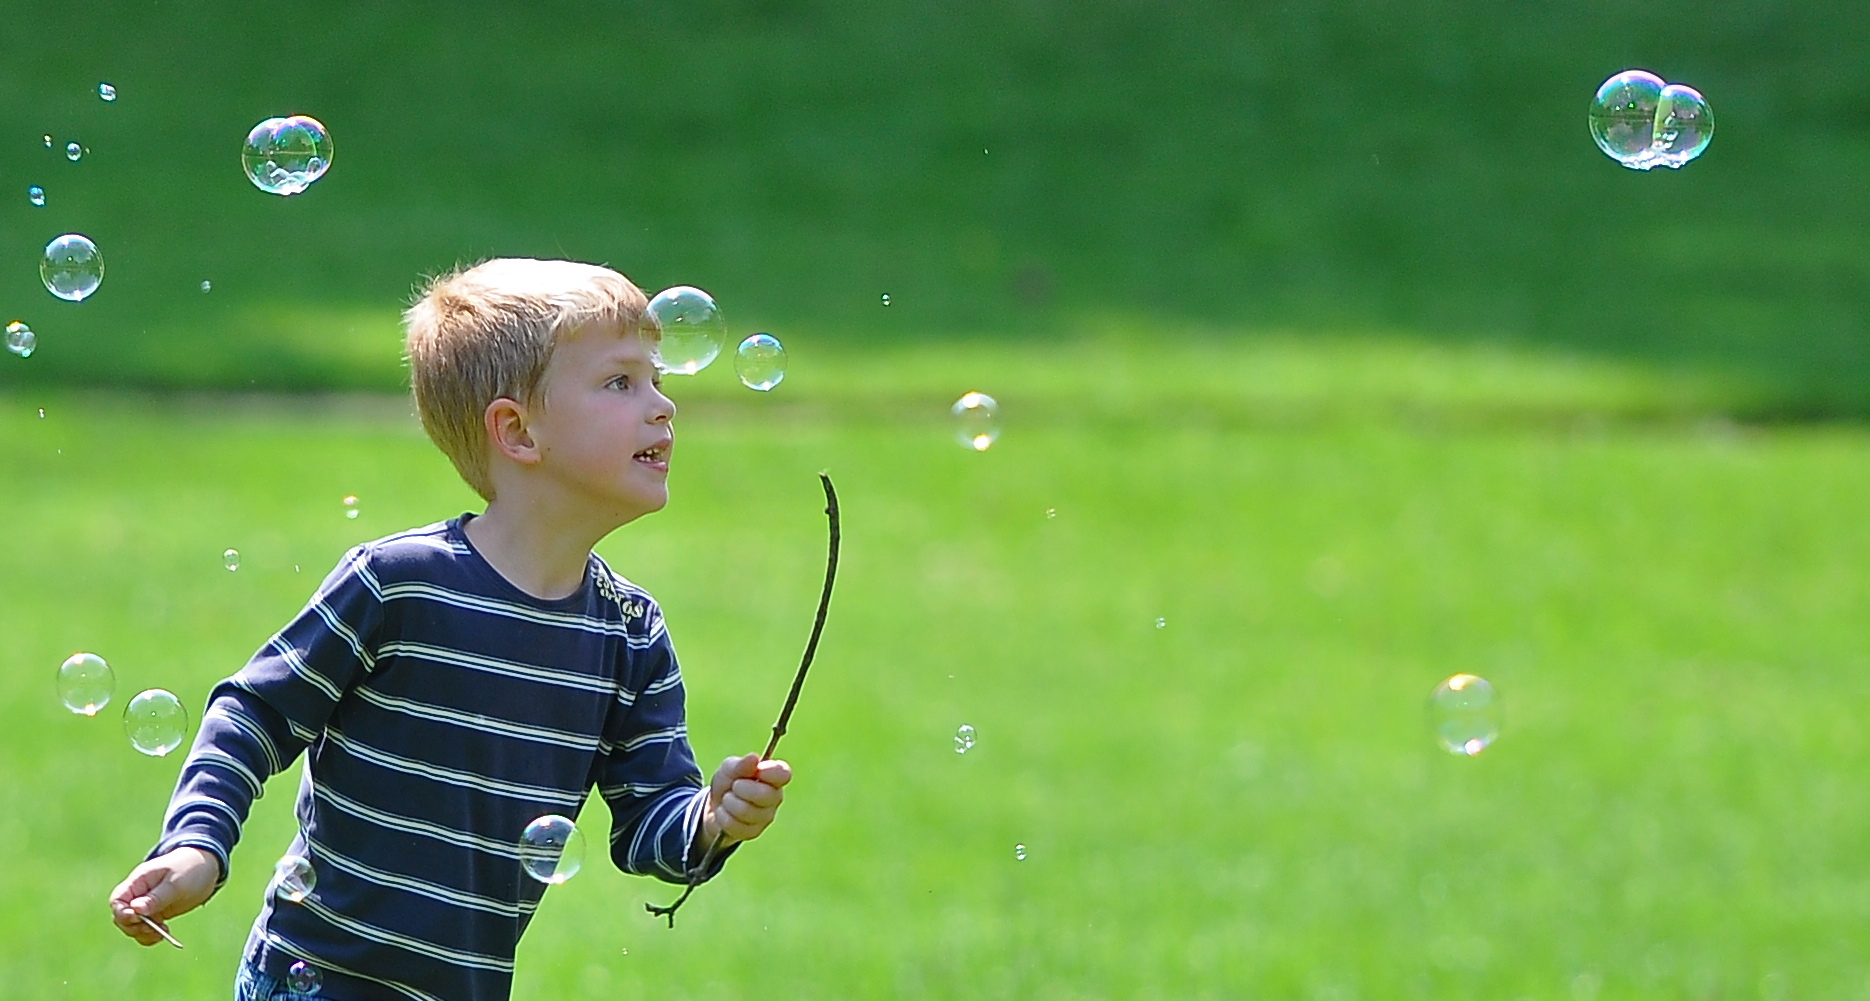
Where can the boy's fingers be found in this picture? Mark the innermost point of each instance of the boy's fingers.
(758, 793)
(774, 772)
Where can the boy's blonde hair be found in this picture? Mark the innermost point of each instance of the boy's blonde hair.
(478, 335)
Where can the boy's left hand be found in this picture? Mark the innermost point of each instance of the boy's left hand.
(742, 798)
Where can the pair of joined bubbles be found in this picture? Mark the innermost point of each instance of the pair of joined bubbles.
(1642, 122)
(694, 331)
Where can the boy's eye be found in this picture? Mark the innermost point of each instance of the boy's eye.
(620, 382)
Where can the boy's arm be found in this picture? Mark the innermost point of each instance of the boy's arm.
(256, 724)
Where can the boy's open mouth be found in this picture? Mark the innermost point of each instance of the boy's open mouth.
(655, 454)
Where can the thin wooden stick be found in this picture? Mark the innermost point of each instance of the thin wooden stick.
(697, 872)
(160, 930)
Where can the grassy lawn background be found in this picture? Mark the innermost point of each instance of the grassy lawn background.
(1245, 802)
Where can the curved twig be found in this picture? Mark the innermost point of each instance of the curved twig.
(699, 870)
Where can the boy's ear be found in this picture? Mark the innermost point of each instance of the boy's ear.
(507, 431)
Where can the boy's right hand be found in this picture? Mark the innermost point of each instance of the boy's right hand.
(164, 887)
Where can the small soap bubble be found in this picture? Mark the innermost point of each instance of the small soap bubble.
(206, 285)
(964, 739)
(977, 420)
(294, 879)
(36, 195)
(283, 156)
(303, 978)
(42, 413)
(231, 560)
(693, 329)
(886, 298)
(1162, 623)
(1019, 852)
(72, 267)
(760, 361)
(551, 849)
(350, 507)
(48, 142)
(107, 92)
(21, 341)
(74, 152)
(85, 683)
(1466, 714)
(1684, 126)
(156, 722)
(1051, 512)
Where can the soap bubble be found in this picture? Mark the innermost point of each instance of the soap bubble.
(107, 92)
(85, 683)
(1684, 125)
(36, 195)
(156, 722)
(231, 559)
(20, 339)
(1466, 714)
(350, 507)
(72, 267)
(551, 849)
(48, 142)
(693, 329)
(74, 152)
(964, 739)
(1623, 117)
(760, 362)
(294, 879)
(283, 156)
(206, 285)
(1019, 852)
(303, 978)
(886, 298)
(977, 420)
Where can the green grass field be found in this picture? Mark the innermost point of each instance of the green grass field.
(1245, 803)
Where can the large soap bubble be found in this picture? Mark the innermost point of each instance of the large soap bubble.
(1642, 122)
(693, 329)
(283, 156)
(156, 722)
(85, 683)
(72, 267)
(760, 361)
(551, 849)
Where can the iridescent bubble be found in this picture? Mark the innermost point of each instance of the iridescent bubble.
(85, 683)
(36, 195)
(283, 156)
(693, 329)
(303, 978)
(107, 92)
(551, 849)
(1684, 126)
(1466, 714)
(294, 879)
(156, 722)
(760, 361)
(977, 420)
(74, 152)
(20, 339)
(1019, 852)
(72, 267)
(1623, 117)
(231, 560)
(964, 739)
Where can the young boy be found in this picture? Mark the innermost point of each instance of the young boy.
(453, 683)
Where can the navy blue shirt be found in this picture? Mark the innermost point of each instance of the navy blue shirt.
(441, 710)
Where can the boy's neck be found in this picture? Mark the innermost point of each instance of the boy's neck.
(534, 554)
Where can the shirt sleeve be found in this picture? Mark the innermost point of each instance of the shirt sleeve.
(648, 774)
(258, 721)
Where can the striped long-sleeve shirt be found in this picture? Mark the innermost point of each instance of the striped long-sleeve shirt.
(441, 710)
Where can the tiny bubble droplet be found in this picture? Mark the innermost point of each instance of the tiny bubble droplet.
(1051, 512)
(74, 152)
(1019, 852)
(48, 142)
(886, 298)
(964, 739)
(21, 341)
(304, 978)
(350, 507)
(231, 560)
(107, 92)
(36, 195)
(1162, 623)
(207, 286)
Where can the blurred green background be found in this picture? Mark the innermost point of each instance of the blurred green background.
(1321, 332)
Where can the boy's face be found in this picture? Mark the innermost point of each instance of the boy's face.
(604, 430)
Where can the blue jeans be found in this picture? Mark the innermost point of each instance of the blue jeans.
(251, 984)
